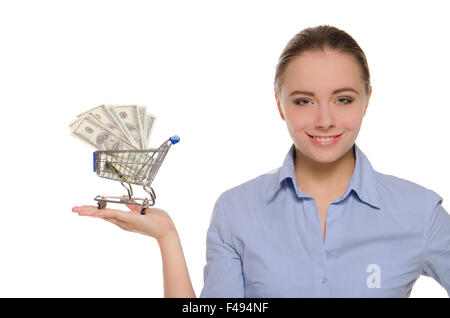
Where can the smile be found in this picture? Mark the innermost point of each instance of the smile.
(325, 141)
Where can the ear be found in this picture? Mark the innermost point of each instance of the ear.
(367, 100)
(280, 109)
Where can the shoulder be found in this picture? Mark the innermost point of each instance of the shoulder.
(405, 195)
(248, 192)
(241, 205)
(402, 187)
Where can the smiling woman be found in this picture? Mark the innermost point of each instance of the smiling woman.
(325, 223)
(325, 216)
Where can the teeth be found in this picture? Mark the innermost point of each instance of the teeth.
(324, 139)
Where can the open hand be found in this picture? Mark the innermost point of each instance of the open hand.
(155, 223)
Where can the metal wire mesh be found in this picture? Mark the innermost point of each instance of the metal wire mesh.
(131, 166)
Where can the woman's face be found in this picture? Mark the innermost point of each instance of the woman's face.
(311, 106)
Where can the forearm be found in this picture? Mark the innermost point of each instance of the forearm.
(177, 282)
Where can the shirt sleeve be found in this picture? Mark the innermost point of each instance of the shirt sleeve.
(223, 270)
(437, 248)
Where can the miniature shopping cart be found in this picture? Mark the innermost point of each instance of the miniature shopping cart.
(137, 167)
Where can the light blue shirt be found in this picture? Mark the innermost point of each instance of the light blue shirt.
(265, 238)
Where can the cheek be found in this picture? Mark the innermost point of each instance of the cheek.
(297, 120)
(351, 122)
(295, 124)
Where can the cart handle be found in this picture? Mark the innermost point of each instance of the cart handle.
(174, 139)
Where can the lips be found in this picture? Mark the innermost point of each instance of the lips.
(330, 136)
(325, 141)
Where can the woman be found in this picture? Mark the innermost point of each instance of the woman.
(324, 224)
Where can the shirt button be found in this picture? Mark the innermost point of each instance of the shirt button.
(323, 280)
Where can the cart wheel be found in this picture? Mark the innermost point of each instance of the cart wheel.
(101, 205)
(143, 211)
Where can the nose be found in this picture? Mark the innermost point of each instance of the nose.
(324, 117)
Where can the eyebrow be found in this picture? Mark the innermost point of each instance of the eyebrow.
(334, 92)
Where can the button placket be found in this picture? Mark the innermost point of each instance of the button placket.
(317, 248)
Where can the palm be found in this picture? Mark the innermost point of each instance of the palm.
(155, 223)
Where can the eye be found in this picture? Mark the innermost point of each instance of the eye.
(299, 101)
(348, 100)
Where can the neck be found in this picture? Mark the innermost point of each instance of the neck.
(318, 178)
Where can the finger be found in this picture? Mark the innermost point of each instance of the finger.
(119, 215)
(75, 208)
(88, 210)
(91, 210)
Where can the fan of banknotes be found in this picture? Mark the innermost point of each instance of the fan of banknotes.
(114, 127)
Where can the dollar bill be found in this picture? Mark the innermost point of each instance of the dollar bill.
(89, 131)
(132, 167)
(128, 116)
(151, 119)
(109, 170)
(74, 123)
(142, 114)
(104, 118)
(147, 122)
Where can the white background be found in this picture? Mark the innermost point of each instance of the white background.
(205, 69)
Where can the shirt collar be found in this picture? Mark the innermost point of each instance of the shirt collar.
(363, 181)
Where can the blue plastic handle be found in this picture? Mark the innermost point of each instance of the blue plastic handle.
(174, 139)
(94, 162)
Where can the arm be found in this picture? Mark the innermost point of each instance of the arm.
(223, 276)
(177, 282)
(437, 247)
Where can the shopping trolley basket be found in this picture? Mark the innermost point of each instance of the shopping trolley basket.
(137, 167)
